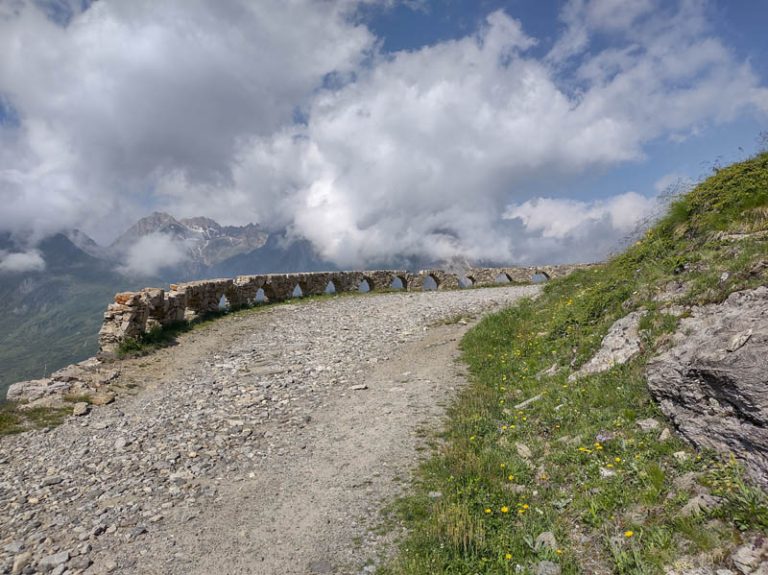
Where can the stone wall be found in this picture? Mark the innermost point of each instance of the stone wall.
(135, 313)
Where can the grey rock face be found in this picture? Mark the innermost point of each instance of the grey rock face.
(620, 344)
(713, 382)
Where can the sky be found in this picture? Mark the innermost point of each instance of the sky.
(514, 131)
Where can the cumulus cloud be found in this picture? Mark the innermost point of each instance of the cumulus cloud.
(151, 254)
(127, 91)
(564, 218)
(287, 114)
(21, 262)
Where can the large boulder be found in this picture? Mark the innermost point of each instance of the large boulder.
(713, 382)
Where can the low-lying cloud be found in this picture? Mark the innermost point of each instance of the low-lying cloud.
(152, 254)
(289, 115)
(21, 262)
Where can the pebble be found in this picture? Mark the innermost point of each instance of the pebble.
(649, 424)
(81, 408)
(50, 562)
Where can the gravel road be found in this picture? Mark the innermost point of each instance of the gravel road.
(266, 442)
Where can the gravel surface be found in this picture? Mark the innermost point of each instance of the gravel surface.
(266, 442)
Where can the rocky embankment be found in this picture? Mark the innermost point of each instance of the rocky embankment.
(265, 443)
(713, 381)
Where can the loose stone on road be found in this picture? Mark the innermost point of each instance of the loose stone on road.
(264, 443)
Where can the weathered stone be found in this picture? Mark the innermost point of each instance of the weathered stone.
(546, 568)
(103, 398)
(50, 562)
(699, 504)
(20, 562)
(752, 558)
(713, 382)
(649, 424)
(81, 408)
(28, 390)
(523, 450)
(620, 344)
(545, 540)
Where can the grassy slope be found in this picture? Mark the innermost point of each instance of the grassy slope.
(494, 504)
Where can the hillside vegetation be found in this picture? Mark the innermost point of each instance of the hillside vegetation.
(575, 464)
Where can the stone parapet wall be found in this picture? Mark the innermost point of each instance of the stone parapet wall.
(135, 313)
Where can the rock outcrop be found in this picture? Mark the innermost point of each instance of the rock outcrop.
(713, 382)
(620, 344)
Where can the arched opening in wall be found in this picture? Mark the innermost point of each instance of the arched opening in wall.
(539, 277)
(224, 304)
(330, 288)
(364, 286)
(430, 283)
(297, 291)
(261, 297)
(397, 283)
(466, 282)
(503, 278)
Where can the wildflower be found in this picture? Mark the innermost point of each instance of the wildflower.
(525, 506)
(559, 551)
(504, 509)
(508, 556)
(617, 459)
(511, 478)
(471, 437)
(503, 465)
(628, 534)
(487, 510)
(521, 511)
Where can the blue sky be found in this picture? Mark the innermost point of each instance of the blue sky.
(514, 131)
(741, 24)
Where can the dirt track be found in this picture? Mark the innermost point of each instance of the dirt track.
(266, 443)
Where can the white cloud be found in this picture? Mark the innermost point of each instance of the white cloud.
(564, 218)
(565, 229)
(151, 254)
(21, 262)
(189, 106)
(132, 90)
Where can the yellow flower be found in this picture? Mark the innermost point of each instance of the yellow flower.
(471, 437)
(511, 477)
(508, 556)
(503, 465)
(525, 506)
(487, 510)
(559, 551)
(504, 509)
(520, 511)
(617, 459)
(628, 534)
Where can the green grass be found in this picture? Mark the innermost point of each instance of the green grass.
(605, 488)
(15, 418)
